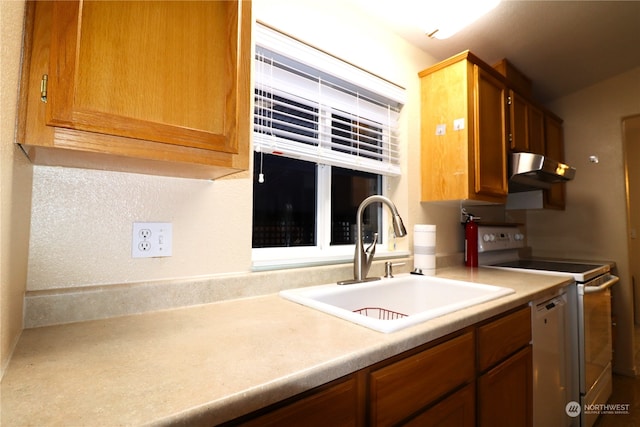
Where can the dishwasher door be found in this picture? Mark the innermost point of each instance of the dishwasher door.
(551, 370)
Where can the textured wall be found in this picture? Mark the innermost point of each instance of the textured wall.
(15, 185)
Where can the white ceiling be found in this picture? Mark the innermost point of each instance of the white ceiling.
(563, 46)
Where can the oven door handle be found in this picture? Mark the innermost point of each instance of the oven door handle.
(606, 285)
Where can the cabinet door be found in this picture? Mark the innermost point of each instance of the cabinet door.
(163, 71)
(535, 129)
(526, 125)
(505, 393)
(554, 141)
(457, 410)
(489, 144)
(404, 388)
(518, 129)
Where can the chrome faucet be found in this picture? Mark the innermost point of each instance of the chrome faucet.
(363, 257)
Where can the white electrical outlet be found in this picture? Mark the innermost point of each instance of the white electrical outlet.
(151, 239)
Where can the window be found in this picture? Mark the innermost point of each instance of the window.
(325, 138)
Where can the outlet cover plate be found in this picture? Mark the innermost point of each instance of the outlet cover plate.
(151, 239)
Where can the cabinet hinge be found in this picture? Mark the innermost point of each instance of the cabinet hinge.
(43, 88)
(508, 100)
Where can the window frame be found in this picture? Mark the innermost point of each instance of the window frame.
(323, 253)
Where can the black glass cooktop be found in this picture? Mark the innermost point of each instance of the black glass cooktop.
(564, 267)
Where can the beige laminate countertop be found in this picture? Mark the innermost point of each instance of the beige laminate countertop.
(206, 364)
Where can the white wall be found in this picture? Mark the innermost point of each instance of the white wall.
(15, 185)
(594, 224)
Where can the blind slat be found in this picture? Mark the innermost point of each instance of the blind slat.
(308, 114)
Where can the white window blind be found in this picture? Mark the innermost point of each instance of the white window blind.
(323, 110)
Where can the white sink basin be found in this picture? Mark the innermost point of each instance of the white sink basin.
(388, 305)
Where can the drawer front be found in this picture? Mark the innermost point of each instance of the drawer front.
(457, 410)
(502, 337)
(405, 387)
(335, 404)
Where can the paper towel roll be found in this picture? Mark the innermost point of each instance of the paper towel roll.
(424, 249)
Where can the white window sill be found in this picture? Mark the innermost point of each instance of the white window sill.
(265, 260)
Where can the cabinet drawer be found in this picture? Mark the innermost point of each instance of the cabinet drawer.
(502, 337)
(334, 404)
(405, 387)
(459, 410)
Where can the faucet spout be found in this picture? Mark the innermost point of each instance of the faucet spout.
(362, 258)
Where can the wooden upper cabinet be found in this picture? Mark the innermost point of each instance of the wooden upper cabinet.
(489, 143)
(518, 126)
(463, 131)
(554, 198)
(526, 125)
(163, 86)
(535, 129)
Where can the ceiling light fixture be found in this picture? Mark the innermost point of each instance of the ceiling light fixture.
(448, 17)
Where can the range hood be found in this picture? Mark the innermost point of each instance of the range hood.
(534, 171)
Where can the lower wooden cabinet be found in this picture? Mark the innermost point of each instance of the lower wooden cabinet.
(481, 375)
(554, 148)
(333, 404)
(505, 393)
(457, 410)
(505, 383)
(406, 387)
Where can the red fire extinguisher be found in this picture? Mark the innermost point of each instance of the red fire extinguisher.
(471, 242)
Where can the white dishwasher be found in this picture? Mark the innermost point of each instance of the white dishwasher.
(552, 374)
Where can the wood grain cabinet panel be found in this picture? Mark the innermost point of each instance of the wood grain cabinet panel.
(502, 337)
(147, 86)
(505, 382)
(535, 129)
(489, 143)
(463, 131)
(457, 410)
(554, 143)
(334, 404)
(408, 386)
(518, 123)
(526, 125)
(505, 393)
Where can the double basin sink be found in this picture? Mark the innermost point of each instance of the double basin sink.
(391, 304)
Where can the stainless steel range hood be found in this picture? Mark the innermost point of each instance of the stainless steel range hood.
(534, 171)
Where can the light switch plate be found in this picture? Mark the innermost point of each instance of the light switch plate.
(151, 239)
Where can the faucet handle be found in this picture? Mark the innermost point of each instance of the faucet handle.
(388, 269)
(371, 249)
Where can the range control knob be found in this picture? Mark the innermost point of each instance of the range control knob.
(489, 237)
(519, 236)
